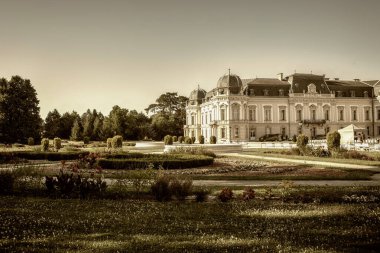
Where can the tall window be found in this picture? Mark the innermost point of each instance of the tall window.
(299, 115)
(267, 114)
(341, 114)
(354, 115)
(366, 114)
(282, 115)
(252, 133)
(252, 114)
(192, 120)
(378, 114)
(223, 133)
(235, 112)
(222, 114)
(327, 114)
(236, 132)
(313, 113)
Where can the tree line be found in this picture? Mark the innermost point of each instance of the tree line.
(20, 118)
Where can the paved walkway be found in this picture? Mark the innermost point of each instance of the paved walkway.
(295, 182)
(289, 160)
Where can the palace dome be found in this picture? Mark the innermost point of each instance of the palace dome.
(197, 95)
(232, 82)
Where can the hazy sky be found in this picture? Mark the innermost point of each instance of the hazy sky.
(95, 54)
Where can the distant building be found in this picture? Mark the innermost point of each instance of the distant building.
(242, 110)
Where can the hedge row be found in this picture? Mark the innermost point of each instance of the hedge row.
(166, 161)
(50, 156)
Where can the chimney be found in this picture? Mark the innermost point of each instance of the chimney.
(336, 78)
(357, 80)
(280, 76)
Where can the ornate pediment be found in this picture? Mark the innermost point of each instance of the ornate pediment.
(311, 89)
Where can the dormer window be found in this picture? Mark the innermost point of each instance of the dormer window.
(266, 92)
(352, 93)
(252, 92)
(365, 94)
(281, 92)
(339, 93)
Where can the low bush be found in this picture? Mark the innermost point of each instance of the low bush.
(225, 195)
(7, 180)
(57, 144)
(333, 140)
(30, 141)
(117, 142)
(192, 151)
(50, 156)
(181, 188)
(86, 140)
(248, 193)
(201, 194)
(160, 188)
(294, 138)
(180, 139)
(193, 139)
(188, 140)
(213, 139)
(45, 145)
(109, 143)
(353, 154)
(166, 161)
(201, 139)
(175, 138)
(168, 140)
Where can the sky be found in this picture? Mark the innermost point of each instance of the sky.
(95, 54)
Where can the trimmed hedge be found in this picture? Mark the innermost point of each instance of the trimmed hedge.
(50, 156)
(166, 161)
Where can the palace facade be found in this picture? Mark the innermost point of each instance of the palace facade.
(243, 110)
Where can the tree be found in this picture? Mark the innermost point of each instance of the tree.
(67, 122)
(170, 115)
(76, 131)
(53, 125)
(333, 141)
(19, 111)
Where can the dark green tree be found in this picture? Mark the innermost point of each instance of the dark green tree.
(76, 131)
(52, 125)
(19, 111)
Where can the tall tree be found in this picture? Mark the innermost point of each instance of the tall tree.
(67, 122)
(170, 115)
(19, 111)
(76, 131)
(52, 125)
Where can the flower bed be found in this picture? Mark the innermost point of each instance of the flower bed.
(166, 161)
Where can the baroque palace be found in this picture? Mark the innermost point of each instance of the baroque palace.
(243, 110)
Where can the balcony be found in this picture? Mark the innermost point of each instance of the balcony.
(313, 122)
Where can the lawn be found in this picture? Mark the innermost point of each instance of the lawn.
(46, 225)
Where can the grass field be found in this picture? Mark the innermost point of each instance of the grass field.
(46, 225)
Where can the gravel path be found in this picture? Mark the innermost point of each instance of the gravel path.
(328, 164)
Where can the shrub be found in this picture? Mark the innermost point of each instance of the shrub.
(225, 195)
(175, 138)
(201, 139)
(188, 140)
(109, 143)
(294, 138)
(201, 194)
(193, 139)
(248, 193)
(45, 145)
(161, 188)
(86, 140)
(333, 140)
(117, 142)
(7, 180)
(168, 140)
(192, 151)
(213, 139)
(302, 141)
(57, 143)
(30, 141)
(180, 139)
(50, 156)
(165, 161)
(181, 188)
